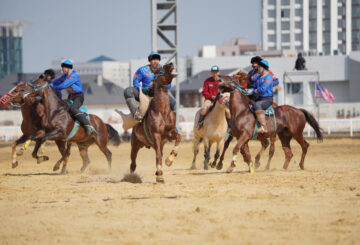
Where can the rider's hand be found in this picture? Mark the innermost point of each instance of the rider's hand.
(213, 97)
(250, 91)
(144, 90)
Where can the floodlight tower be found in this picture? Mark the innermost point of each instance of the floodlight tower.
(165, 29)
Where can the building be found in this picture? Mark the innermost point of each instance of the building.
(115, 71)
(234, 47)
(315, 27)
(10, 47)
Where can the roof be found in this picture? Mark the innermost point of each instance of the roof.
(107, 94)
(101, 58)
(194, 83)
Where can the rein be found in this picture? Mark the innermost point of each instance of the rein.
(237, 87)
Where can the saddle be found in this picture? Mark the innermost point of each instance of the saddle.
(128, 119)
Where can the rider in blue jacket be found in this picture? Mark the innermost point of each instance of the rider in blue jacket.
(70, 81)
(263, 91)
(253, 75)
(142, 80)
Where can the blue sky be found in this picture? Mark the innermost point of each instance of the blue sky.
(84, 29)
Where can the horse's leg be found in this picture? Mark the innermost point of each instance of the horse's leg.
(24, 147)
(136, 145)
(285, 139)
(207, 148)
(21, 140)
(245, 152)
(103, 147)
(66, 158)
(83, 149)
(271, 151)
(157, 147)
(226, 145)
(39, 144)
(170, 159)
(195, 151)
(264, 145)
(217, 153)
(62, 148)
(240, 142)
(304, 146)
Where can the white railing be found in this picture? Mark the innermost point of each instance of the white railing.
(330, 126)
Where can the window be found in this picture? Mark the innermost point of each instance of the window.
(233, 53)
(223, 53)
(293, 88)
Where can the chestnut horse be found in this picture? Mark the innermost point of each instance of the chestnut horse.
(290, 123)
(57, 124)
(29, 126)
(158, 124)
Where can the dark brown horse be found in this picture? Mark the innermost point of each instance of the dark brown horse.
(30, 125)
(57, 124)
(290, 123)
(158, 125)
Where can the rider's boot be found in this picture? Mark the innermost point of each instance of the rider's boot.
(134, 108)
(261, 118)
(200, 122)
(81, 117)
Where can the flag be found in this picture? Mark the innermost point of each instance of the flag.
(321, 92)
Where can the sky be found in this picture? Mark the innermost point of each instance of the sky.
(121, 29)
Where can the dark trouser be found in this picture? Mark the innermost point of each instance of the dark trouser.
(78, 101)
(262, 104)
(132, 92)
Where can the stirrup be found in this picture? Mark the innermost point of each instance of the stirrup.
(261, 130)
(137, 116)
(88, 129)
(200, 124)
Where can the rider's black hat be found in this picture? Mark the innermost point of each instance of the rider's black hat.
(256, 59)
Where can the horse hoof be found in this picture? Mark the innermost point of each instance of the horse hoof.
(20, 152)
(206, 167)
(169, 160)
(42, 159)
(56, 167)
(193, 167)
(230, 170)
(213, 165)
(14, 164)
(252, 170)
(257, 165)
(219, 166)
(160, 179)
(64, 172)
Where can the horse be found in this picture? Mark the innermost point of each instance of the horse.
(213, 131)
(158, 124)
(290, 123)
(58, 125)
(29, 126)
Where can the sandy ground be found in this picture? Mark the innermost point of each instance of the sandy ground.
(320, 205)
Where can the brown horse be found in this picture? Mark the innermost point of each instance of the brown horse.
(57, 124)
(290, 123)
(158, 125)
(30, 125)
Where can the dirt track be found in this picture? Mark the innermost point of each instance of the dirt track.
(320, 205)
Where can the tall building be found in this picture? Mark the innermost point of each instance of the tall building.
(318, 27)
(10, 47)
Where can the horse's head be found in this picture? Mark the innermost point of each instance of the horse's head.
(224, 99)
(165, 74)
(229, 84)
(16, 95)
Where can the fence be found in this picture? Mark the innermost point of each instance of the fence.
(330, 126)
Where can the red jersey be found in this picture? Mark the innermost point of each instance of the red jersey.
(210, 88)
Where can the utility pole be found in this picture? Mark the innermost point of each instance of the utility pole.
(164, 26)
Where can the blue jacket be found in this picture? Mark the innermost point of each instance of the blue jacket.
(143, 77)
(253, 77)
(264, 85)
(72, 83)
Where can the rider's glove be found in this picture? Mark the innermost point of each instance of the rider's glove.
(250, 91)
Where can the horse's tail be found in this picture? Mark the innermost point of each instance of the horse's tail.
(114, 136)
(313, 123)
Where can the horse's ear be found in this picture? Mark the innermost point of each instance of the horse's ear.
(236, 77)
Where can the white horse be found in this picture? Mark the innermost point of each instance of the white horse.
(213, 131)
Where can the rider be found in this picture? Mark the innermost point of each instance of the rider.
(253, 75)
(210, 91)
(72, 83)
(263, 91)
(142, 80)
